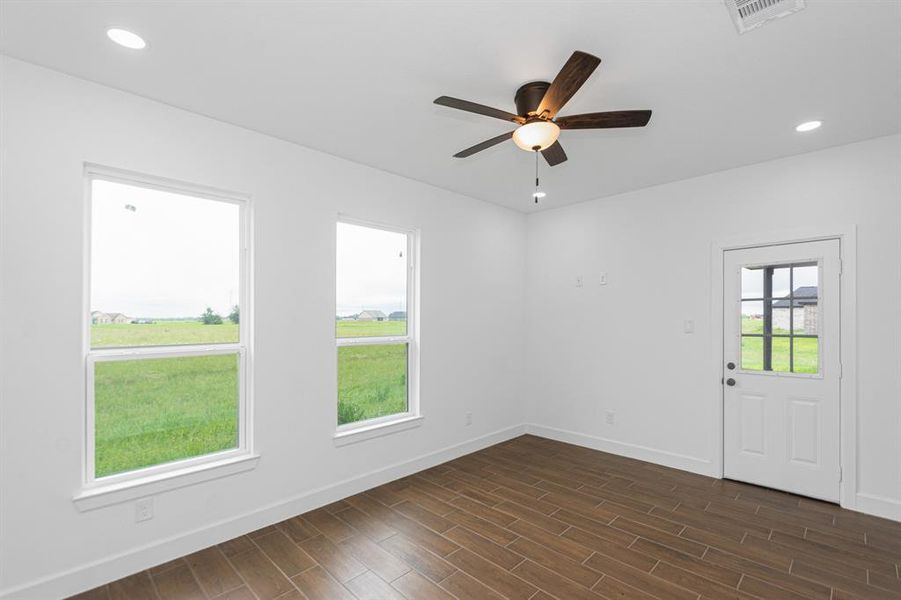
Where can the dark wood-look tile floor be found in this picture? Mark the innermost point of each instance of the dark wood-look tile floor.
(537, 519)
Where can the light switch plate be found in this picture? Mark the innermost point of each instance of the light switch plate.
(602, 280)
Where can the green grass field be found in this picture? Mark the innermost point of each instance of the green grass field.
(370, 328)
(152, 411)
(806, 350)
(162, 333)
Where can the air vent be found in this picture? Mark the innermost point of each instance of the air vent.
(750, 14)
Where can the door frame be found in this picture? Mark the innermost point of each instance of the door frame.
(847, 237)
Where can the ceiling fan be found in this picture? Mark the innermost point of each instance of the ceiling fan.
(537, 105)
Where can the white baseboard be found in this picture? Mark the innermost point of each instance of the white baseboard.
(90, 575)
(880, 506)
(652, 455)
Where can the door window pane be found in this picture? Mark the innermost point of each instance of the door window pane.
(752, 317)
(752, 353)
(807, 318)
(781, 357)
(806, 354)
(781, 282)
(153, 411)
(164, 267)
(372, 381)
(752, 283)
(372, 282)
(781, 316)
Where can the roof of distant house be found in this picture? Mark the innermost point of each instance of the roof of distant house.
(803, 296)
(374, 314)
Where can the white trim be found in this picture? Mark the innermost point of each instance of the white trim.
(881, 506)
(364, 430)
(683, 462)
(374, 428)
(221, 465)
(90, 575)
(151, 476)
(847, 236)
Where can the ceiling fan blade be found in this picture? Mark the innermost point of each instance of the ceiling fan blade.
(484, 145)
(479, 109)
(605, 120)
(574, 73)
(554, 154)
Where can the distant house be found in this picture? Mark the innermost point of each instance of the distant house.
(371, 315)
(102, 318)
(803, 314)
(398, 315)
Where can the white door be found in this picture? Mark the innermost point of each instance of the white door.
(781, 367)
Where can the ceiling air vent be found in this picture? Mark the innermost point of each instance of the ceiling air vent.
(750, 14)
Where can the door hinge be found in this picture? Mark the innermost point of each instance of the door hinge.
(841, 474)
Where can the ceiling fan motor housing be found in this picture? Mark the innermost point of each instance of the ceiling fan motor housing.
(529, 96)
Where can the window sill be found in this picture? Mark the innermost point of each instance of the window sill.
(374, 430)
(116, 493)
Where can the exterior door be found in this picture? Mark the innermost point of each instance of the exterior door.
(782, 372)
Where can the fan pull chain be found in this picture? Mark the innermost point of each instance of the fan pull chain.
(536, 178)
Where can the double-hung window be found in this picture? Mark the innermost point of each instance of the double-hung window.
(375, 325)
(166, 328)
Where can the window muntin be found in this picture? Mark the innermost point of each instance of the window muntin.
(374, 332)
(165, 386)
(780, 318)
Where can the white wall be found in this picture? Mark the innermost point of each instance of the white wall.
(471, 326)
(621, 347)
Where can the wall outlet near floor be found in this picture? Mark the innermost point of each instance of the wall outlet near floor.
(143, 510)
(610, 417)
(468, 419)
(578, 281)
(602, 279)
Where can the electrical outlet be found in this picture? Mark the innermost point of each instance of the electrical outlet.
(688, 326)
(143, 510)
(468, 420)
(578, 281)
(610, 417)
(602, 279)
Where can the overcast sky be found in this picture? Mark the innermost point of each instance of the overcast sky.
(372, 273)
(171, 256)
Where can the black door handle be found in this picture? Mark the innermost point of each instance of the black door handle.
(730, 366)
(730, 382)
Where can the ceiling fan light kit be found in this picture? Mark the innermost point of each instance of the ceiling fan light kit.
(536, 135)
(537, 104)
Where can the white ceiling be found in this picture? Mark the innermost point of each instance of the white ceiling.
(357, 79)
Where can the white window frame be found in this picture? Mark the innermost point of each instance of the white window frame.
(119, 487)
(370, 428)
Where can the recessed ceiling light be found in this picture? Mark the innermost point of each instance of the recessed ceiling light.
(537, 195)
(126, 38)
(808, 126)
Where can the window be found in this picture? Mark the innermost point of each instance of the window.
(780, 310)
(167, 326)
(375, 324)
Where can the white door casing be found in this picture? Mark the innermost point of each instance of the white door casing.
(782, 429)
